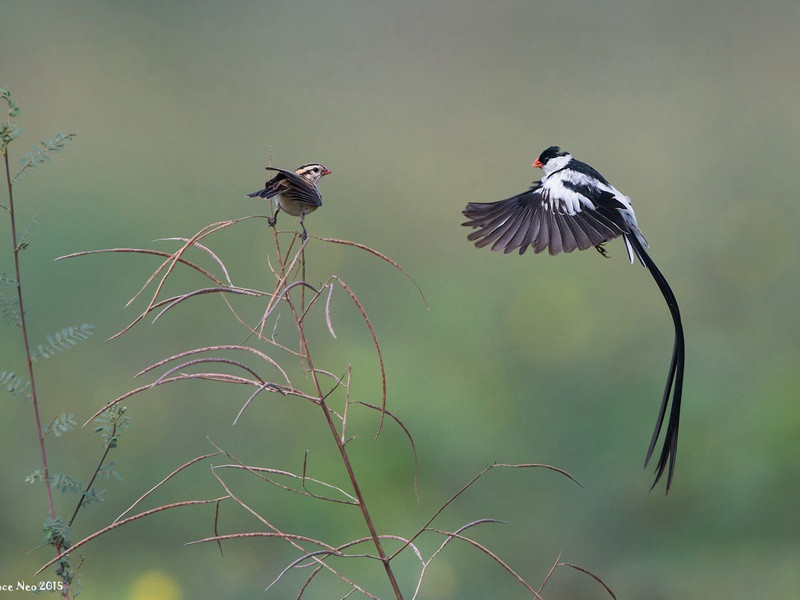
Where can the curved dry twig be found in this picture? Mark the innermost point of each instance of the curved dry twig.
(237, 347)
(539, 466)
(448, 539)
(205, 249)
(163, 481)
(285, 293)
(469, 484)
(286, 271)
(363, 540)
(175, 300)
(267, 385)
(219, 377)
(257, 471)
(116, 524)
(292, 541)
(380, 255)
(184, 261)
(329, 286)
(363, 312)
(169, 265)
(213, 359)
(296, 564)
(590, 574)
(408, 435)
(266, 534)
(457, 535)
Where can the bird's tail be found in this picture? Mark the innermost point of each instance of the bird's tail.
(260, 194)
(632, 253)
(674, 385)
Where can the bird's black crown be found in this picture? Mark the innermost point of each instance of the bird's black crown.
(550, 153)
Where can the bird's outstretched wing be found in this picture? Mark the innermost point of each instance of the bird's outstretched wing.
(534, 219)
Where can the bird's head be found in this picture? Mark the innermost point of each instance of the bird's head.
(552, 159)
(312, 172)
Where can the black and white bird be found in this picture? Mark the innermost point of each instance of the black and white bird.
(295, 191)
(574, 207)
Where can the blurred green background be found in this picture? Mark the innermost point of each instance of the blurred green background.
(692, 109)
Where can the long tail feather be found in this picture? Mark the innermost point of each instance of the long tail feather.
(674, 385)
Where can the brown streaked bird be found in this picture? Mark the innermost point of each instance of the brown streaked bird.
(574, 207)
(295, 191)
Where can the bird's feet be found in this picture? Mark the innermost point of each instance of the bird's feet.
(601, 249)
(271, 221)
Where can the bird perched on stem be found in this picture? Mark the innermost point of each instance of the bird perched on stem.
(574, 207)
(295, 191)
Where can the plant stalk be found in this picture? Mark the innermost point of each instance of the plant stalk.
(343, 451)
(23, 325)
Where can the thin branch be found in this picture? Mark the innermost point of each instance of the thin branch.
(267, 385)
(258, 470)
(29, 358)
(116, 524)
(383, 257)
(182, 260)
(220, 377)
(408, 435)
(360, 307)
(328, 310)
(292, 541)
(205, 249)
(489, 553)
(550, 572)
(469, 484)
(277, 294)
(169, 265)
(341, 447)
(265, 357)
(111, 441)
(163, 481)
(176, 256)
(590, 574)
(175, 300)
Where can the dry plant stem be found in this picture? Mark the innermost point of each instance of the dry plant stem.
(24, 326)
(304, 350)
(349, 468)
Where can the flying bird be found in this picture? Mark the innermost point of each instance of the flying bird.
(295, 191)
(574, 207)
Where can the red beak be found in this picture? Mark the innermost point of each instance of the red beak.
(326, 171)
(537, 163)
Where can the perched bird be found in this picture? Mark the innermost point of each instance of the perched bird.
(573, 206)
(295, 191)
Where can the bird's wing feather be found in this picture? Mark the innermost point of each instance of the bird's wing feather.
(272, 188)
(532, 219)
(297, 189)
